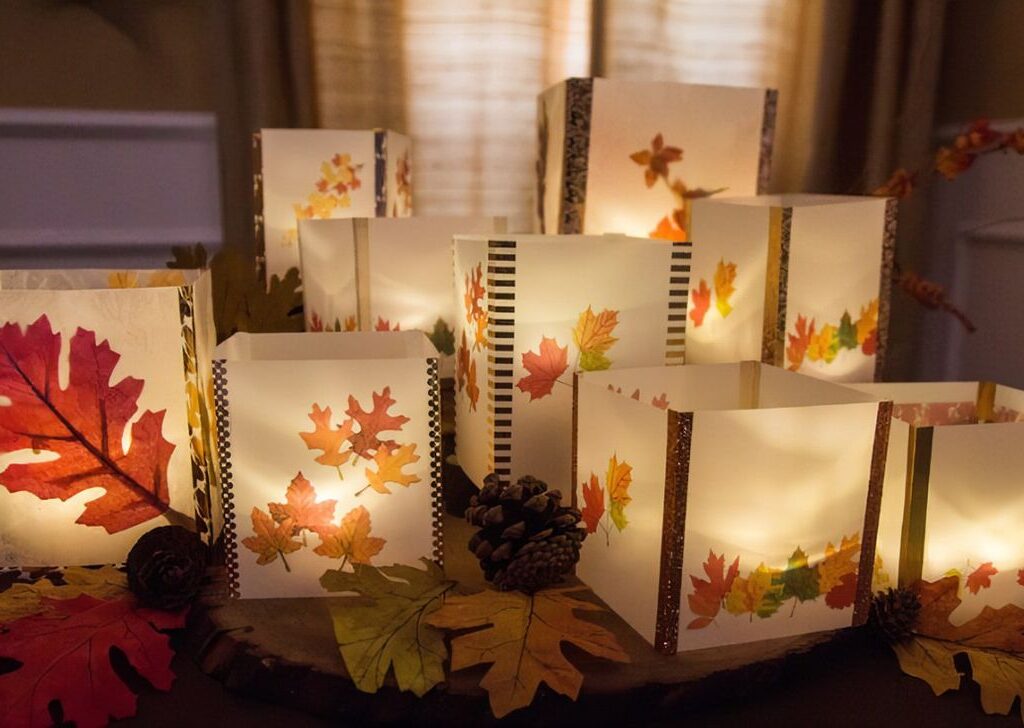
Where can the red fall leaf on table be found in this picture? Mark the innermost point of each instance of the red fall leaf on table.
(701, 303)
(65, 655)
(980, 578)
(707, 596)
(82, 425)
(544, 368)
(372, 423)
(593, 499)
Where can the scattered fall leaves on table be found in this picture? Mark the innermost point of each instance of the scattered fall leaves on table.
(22, 599)
(520, 637)
(617, 479)
(723, 288)
(82, 425)
(824, 344)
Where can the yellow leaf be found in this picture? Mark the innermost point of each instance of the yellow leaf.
(122, 279)
(1001, 678)
(593, 334)
(838, 563)
(824, 345)
(328, 439)
(868, 321)
(521, 640)
(929, 660)
(618, 480)
(23, 600)
(389, 468)
(351, 540)
(271, 539)
(880, 580)
(747, 595)
(725, 274)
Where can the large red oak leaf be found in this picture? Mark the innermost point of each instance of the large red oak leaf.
(82, 425)
(65, 655)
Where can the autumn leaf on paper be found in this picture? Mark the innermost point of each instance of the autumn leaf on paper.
(838, 562)
(461, 362)
(544, 368)
(707, 596)
(661, 401)
(350, 324)
(372, 423)
(980, 578)
(474, 292)
(759, 593)
(656, 159)
(520, 637)
(271, 539)
(997, 629)
(799, 580)
(668, 229)
(392, 631)
(867, 322)
(593, 499)
(82, 425)
(618, 479)
(846, 336)
(25, 599)
(593, 337)
(385, 325)
(389, 468)
(64, 654)
(442, 337)
(351, 540)
(472, 389)
(725, 275)
(824, 345)
(301, 506)
(799, 342)
(701, 303)
(328, 439)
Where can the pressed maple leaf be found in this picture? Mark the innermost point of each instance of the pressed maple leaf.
(442, 337)
(472, 389)
(668, 229)
(656, 159)
(480, 333)
(327, 438)
(758, 593)
(799, 580)
(271, 539)
(372, 423)
(302, 507)
(980, 578)
(798, 342)
(593, 498)
(701, 303)
(521, 637)
(725, 276)
(351, 540)
(661, 401)
(82, 425)
(846, 334)
(593, 337)
(617, 480)
(392, 631)
(867, 322)
(900, 184)
(824, 345)
(389, 468)
(64, 655)
(350, 324)
(707, 596)
(385, 325)
(843, 594)
(474, 293)
(316, 323)
(544, 368)
(838, 562)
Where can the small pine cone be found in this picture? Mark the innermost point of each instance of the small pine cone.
(893, 614)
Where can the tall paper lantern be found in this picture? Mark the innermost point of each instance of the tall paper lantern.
(315, 174)
(536, 308)
(952, 503)
(331, 456)
(727, 503)
(105, 413)
(800, 281)
(628, 157)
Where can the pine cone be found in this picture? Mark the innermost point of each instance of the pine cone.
(527, 539)
(166, 566)
(893, 613)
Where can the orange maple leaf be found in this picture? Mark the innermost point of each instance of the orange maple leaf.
(301, 506)
(701, 303)
(593, 334)
(351, 540)
(899, 185)
(472, 390)
(372, 423)
(980, 578)
(656, 159)
(661, 401)
(389, 468)
(707, 596)
(384, 324)
(474, 293)
(480, 335)
(725, 274)
(668, 230)
(271, 539)
(593, 497)
(798, 343)
(544, 368)
(350, 323)
(328, 439)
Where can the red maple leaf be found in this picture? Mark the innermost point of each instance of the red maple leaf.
(82, 425)
(365, 442)
(708, 593)
(544, 368)
(799, 342)
(65, 656)
(980, 578)
(593, 497)
(302, 507)
(701, 303)
(384, 324)
(842, 594)
(870, 345)
(661, 401)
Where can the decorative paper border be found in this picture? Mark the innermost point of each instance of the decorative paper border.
(259, 230)
(501, 308)
(436, 498)
(380, 173)
(227, 483)
(764, 161)
(202, 495)
(678, 297)
(773, 328)
(579, 99)
(885, 286)
(872, 510)
(670, 582)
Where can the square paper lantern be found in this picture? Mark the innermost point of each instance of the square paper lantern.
(330, 450)
(384, 274)
(628, 157)
(106, 422)
(952, 502)
(535, 309)
(800, 281)
(727, 503)
(316, 174)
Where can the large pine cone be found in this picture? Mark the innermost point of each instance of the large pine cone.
(166, 567)
(893, 613)
(527, 539)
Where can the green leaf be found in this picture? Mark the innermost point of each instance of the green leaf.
(392, 631)
(770, 602)
(618, 515)
(442, 337)
(847, 334)
(799, 580)
(594, 361)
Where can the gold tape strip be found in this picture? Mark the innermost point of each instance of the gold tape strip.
(915, 509)
(774, 323)
(885, 287)
(872, 511)
(670, 583)
(986, 402)
(575, 435)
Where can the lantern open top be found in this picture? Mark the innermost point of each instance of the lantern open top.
(720, 387)
(90, 279)
(791, 200)
(326, 346)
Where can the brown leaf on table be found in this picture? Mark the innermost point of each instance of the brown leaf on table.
(521, 638)
(999, 629)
